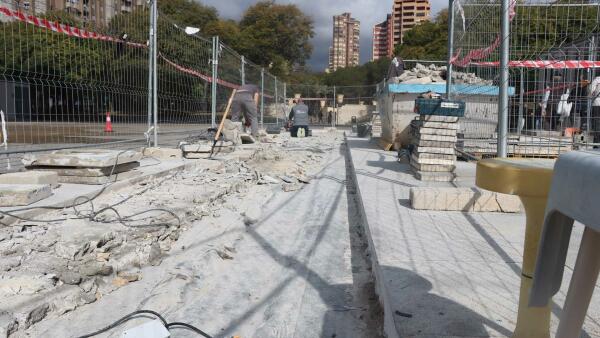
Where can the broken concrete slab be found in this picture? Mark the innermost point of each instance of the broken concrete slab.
(435, 150)
(92, 158)
(90, 172)
(23, 194)
(30, 177)
(435, 131)
(163, 153)
(462, 199)
(98, 179)
(435, 176)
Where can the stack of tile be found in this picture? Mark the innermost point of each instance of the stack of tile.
(434, 138)
(89, 166)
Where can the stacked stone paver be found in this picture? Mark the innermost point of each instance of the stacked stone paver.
(434, 138)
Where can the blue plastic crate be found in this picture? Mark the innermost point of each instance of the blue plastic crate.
(439, 107)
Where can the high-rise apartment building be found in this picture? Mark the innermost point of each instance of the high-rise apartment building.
(382, 39)
(344, 51)
(405, 15)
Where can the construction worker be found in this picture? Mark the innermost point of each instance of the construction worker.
(246, 101)
(299, 118)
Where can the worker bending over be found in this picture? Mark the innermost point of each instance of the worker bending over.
(246, 101)
(299, 119)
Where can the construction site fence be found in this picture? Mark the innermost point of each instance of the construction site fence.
(553, 77)
(68, 69)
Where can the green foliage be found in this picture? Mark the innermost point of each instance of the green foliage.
(426, 41)
(188, 12)
(275, 33)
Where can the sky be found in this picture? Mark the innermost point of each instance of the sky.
(368, 12)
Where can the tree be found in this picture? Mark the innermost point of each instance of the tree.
(276, 35)
(427, 40)
(188, 12)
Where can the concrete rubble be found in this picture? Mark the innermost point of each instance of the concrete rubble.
(422, 74)
(23, 194)
(65, 259)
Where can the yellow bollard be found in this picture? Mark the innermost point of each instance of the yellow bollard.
(530, 180)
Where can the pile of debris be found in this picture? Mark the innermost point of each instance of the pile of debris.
(90, 166)
(422, 74)
(434, 138)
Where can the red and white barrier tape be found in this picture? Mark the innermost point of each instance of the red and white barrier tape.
(544, 64)
(62, 28)
(83, 34)
(481, 53)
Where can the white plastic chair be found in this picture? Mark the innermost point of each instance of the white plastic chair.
(574, 196)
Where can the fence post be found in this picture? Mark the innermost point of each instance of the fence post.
(243, 70)
(333, 114)
(262, 97)
(284, 102)
(503, 99)
(150, 72)
(450, 48)
(276, 102)
(155, 70)
(521, 94)
(588, 119)
(215, 68)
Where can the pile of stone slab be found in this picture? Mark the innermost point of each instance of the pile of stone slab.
(89, 166)
(25, 188)
(433, 156)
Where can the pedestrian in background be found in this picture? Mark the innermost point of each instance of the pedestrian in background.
(396, 67)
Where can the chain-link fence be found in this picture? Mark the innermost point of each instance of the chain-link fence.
(553, 84)
(70, 67)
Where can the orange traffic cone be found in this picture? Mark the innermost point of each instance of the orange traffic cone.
(108, 125)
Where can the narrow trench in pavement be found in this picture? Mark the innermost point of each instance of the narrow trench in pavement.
(362, 275)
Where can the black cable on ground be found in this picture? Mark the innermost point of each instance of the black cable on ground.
(168, 326)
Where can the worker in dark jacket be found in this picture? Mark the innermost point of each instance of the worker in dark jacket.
(299, 118)
(396, 67)
(246, 101)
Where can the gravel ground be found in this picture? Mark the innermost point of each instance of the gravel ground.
(271, 246)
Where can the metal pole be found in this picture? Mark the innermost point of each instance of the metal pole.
(334, 109)
(503, 99)
(215, 69)
(450, 48)
(150, 71)
(276, 102)
(155, 71)
(262, 97)
(284, 102)
(521, 94)
(243, 70)
(588, 119)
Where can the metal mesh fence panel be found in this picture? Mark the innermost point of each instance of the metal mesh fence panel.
(552, 66)
(64, 69)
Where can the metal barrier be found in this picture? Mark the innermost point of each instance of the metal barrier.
(550, 58)
(65, 71)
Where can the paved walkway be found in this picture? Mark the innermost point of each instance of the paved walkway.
(443, 274)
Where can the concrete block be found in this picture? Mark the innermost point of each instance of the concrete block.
(98, 179)
(438, 118)
(432, 167)
(434, 150)
(441, 132)
(438, 138)
(463, 199)
(91, 172)
(437, 125)
(30, 177)
(92, 158)
(437, 159)
(436, 144)
(163, 153)
(435, 176)
(23, 194)
(194, 156)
